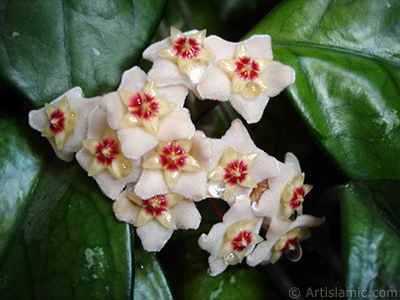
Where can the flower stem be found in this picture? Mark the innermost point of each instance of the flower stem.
(216, 208)
(205, 112)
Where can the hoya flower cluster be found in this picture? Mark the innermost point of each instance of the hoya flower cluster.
(141, 146)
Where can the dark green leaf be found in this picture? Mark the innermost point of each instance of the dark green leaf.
(347, 60)
(370, 236)
(66, 242)
(48, 47)
(186, 264)
(150, 280)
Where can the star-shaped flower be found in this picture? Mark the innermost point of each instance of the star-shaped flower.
(158, 206)
(234, 171)
(283, 236)
(59, 122)
(180, 59)
(102, 158)
(293, 196)
(238, 165)
(192, 185)
(246, 71)
(156, 217)
(173, 157)
(159, 109)
(62, 121)
(244, 74)
(289, 243)
(228, 242)
(107, 155)
(285, 193)
(237, 239)
(186, 49)
(145, 108)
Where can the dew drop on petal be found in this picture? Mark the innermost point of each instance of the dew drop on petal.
(216, 189)
(232, 258)
(294, 215)
(295, 253)
(251, 90)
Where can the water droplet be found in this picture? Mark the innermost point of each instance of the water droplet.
(232, 259)
(251, 90)
(216, 189)
(295, 253)
(294, 215)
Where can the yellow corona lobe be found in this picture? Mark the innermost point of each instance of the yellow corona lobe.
(107, 155)
(245, 72)
(186, 51)
(62, 121)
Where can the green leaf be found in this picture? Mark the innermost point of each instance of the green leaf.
(186, 264)
(347, 60)
(60, 239)
(370, 236)
(150, 280)
(48, 47)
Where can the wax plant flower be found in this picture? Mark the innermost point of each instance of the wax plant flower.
(281, 237)
(284, 194)
(103, 159)
(180, 59)
(233, 239)
(64, 122)
(245, 74)
(179, 165)
(156, 217)
(142, 148)
(238, 165)
(144, 114)
(173, 158)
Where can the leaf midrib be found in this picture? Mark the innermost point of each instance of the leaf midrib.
(317, 46)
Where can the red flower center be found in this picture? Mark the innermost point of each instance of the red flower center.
(57, 120)
(297, 198)
(187, 48)
(289, 244)
(143, 106)
(106, 151)
(241, 242)
(156, 205)
(173, 157)
(246, 68)
(235, 172)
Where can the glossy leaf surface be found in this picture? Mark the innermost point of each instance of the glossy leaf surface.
(60, 239)
(370, 237)
(150, 279)
(48, 47)
(347, 60)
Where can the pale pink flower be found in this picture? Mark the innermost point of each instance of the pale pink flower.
(64, 122)
(102, 158)
(156, 217)
(244, 74)
(233, 239)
